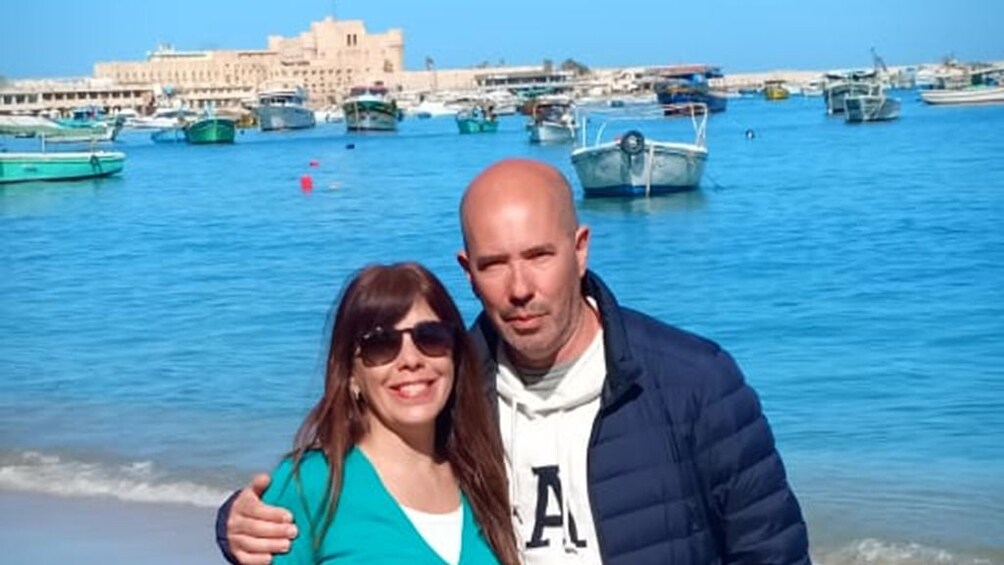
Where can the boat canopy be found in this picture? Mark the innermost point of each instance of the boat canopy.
(377, 89)
(854, 75)
(29, 125)
(690, 72)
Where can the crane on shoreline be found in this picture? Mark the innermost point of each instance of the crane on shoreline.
(878, 62)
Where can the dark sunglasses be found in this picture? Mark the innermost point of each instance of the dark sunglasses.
(381, 345)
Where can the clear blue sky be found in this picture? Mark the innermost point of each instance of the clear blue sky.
(57, 38)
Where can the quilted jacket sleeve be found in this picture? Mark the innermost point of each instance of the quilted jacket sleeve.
(222, 515)
(755, 514)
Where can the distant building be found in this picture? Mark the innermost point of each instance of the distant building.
(527, 80)
(59, 97)
(326, 60)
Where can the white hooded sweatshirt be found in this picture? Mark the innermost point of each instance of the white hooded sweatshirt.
(546, 434)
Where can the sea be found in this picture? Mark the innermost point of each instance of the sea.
(162, 331)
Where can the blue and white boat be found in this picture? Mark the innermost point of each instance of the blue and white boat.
(631, 165)
(87, 124)
(685, 90)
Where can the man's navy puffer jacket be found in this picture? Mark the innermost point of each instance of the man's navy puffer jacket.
(682, 467)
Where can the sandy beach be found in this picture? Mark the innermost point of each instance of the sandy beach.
(43, 529)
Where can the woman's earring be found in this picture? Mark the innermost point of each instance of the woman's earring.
(357, 394)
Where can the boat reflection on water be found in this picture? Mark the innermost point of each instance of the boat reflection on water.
(672, 203)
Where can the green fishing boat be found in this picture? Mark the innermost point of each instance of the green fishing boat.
(211, 130)
(477, 125)
(370, 108)
(479, 118)
(55, 166)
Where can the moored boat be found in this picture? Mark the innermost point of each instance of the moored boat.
(98, 133)
(284, 108)
(370, 108)
(210, 129)
(477, 119)
(86, 124)
(775, 90)
(965, 96)
(162, 118)
(57, 166)
(57, 132)
(632, 165)
(685, 90)
(88, 117)
(974, 84)
(872, 107)
(168, 135)
(552, 120)
(839, 85)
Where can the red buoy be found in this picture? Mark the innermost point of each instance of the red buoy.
(306, 183)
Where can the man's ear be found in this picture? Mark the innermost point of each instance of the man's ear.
(465, 263)
(582, 249)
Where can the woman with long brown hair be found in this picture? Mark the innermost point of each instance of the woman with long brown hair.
(400, 460)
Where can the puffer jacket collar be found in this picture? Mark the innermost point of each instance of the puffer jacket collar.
(622, 369)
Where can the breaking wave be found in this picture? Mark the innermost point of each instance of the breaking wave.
(138, 481)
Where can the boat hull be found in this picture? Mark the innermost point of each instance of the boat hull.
(370, 116)
(870, 108)
(211, 130)
(551, 132)
(834, 94)
(659, 168)
(470, 125)
(168, 135)
(965, 96)
(97, 133)
(679, 100)
(776, 93)
(57, 166)
(274, 118)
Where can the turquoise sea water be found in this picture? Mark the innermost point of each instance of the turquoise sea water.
(162, 331)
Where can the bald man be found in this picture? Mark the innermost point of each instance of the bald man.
(627, 440)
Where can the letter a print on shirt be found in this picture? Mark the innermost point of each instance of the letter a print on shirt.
(548, 482)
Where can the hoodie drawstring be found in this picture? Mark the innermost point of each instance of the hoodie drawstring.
(514, 475)
(565, 473)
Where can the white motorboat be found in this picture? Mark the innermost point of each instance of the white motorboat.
(162, 118)
(552, 120)
(840, 85)
(968, 95)
(870, 108)
(631, 165)
(284, 108)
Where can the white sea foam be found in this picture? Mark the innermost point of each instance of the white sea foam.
(137, 481)
(868, 551)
